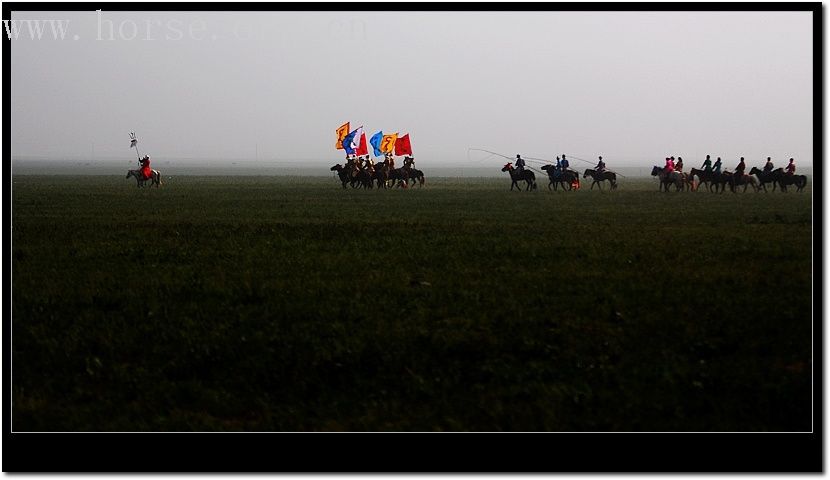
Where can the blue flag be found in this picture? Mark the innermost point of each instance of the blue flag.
(375, 143)
(347, 143)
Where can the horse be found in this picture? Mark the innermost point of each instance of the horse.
(382, 174)
(155, 177)
(763, 178)
(705, 176)
(666, 179)
(567, 178)
(416, 176)
(721, 180)
(344, 175)
(526, 175)
(784, 179)
(744, 180)
(601, 177)
(401, 175)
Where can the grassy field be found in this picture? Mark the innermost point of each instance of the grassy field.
(287, 303)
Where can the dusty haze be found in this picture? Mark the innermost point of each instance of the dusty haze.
(271, 87)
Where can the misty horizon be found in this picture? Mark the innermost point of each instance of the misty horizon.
(633, 87)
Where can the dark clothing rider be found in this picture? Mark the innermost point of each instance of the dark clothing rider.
(520, 164)
(768, 167)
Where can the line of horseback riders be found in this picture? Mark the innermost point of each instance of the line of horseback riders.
(364, 172)
(559, 174)
(712, 176)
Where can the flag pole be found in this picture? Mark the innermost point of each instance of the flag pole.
(132, 137)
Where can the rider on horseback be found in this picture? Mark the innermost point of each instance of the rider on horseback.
(717, 166)
(669, 168)
(565, 163)
(768, 167)
(739, 170)
(600, 166)
(145, 167)
(679, 165)
(707, 165)
(791, 168)
(520, 165)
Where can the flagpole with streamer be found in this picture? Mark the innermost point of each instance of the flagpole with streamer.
(134, 143)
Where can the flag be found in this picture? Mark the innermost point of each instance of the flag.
(402, 146)
(133, 143)
(375, 142)
(341, 134)
(388, 143)
(362, 149)
(356, 138)
(348, 143)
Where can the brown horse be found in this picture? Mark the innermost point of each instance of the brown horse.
(745, 180)
(526, 175)
(721, 180)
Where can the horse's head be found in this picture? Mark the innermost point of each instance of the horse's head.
(129, 174)
(656, 171)
(507, 167)
(547, 167)
(336, 168)
(587, 172)
(754, 171)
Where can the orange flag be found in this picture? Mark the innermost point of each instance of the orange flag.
(387, 145)
(341, 134)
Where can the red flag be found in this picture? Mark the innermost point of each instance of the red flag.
(362, 149)
(402, 146)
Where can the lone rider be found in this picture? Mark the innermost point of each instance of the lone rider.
(520, 164)
(145, 167)
(707, 165)
(600, 165)
(565, 163)
(768, 167)
(717, 166)
(791, 168)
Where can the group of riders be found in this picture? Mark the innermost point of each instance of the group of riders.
(560, 173)
(713, 173)
(363, 171)
(715, 169)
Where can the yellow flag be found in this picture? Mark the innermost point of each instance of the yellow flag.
(341, 134)
(387, 145)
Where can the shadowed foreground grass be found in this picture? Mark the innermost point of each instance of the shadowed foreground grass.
(287, 303)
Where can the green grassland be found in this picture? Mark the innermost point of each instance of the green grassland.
(290, 304)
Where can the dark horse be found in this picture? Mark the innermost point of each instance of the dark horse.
(763, 178)
(705, 176)
(800, 181)
(416, 176)
(568, 178)
(721, 180)
(601, 177)
(343, 173)
(675, 178)
(526, 175)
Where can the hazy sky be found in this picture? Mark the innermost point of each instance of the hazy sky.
(630, 86)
